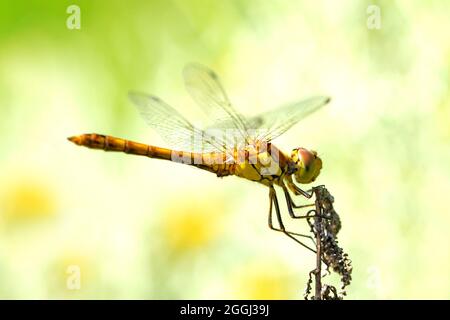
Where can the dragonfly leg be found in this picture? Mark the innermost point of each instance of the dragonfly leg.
(274, 201)
(291, 205)
(298, 191)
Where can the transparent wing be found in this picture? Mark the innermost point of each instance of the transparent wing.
(205, 88)
(175, 129)
(269, 125)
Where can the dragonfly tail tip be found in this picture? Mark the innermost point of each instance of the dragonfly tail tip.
(75, 139)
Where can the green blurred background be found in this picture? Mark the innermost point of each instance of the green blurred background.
(140, 228)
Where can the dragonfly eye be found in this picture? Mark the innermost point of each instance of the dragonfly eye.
(308, 163)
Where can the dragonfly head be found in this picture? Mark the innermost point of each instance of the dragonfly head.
(308, 165)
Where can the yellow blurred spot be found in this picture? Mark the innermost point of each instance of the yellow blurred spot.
(26, 200)
(190, 227)
(264, 281)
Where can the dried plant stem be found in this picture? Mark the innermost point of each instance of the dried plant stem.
(325, 224)
(318, 271)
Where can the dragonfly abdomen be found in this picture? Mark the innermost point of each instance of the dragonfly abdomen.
(213, 162)
(109, 143)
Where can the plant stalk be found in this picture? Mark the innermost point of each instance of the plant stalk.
(318, 226)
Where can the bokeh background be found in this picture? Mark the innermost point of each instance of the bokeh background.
(133, 227)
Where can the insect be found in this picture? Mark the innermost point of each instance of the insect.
(231, 145)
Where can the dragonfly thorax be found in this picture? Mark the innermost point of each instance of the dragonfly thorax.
(307, 163)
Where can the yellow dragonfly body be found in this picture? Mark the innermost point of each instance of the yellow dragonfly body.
(231, 145)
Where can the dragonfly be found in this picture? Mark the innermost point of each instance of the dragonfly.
(232, 145)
